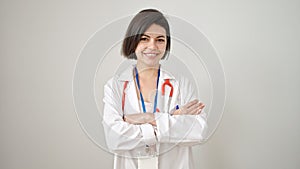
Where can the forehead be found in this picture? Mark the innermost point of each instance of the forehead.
(155, 30)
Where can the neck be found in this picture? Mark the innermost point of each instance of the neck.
(147, 72)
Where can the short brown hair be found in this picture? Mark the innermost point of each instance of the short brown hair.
(138, 25)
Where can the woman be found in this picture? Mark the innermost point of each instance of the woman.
(150, 116)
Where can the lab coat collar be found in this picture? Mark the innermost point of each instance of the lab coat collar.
(127, 74)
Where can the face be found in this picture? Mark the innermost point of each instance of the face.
(151, 47)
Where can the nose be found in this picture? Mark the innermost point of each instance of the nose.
(152, 44)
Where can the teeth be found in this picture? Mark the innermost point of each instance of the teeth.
(150, 54)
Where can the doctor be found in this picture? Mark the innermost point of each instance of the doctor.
(151, 118)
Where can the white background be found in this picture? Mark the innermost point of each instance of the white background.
(257, 41)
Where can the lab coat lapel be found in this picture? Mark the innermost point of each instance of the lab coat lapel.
(131, 100)
(164, 99)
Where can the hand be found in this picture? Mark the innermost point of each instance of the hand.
(191, 108)
(140, 118)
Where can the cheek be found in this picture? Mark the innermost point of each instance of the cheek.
(139, 48)
(162, 47)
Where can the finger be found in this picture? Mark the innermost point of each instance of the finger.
(191, 103)
(182, 111)
(199, 110)
(193, 112)
(202, 106)
(194, 107)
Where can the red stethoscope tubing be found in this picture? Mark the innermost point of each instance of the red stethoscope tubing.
(167, 82)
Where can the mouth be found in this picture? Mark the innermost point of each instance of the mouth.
(150, 54)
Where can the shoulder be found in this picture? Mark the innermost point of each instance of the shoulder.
(118, 80)
(177, 78)
(185, 83)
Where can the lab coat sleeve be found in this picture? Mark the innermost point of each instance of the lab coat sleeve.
(122, 136)
(183, 130)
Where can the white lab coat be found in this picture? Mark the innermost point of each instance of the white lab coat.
(173, 136)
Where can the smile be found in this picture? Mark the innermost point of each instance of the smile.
(151, 54)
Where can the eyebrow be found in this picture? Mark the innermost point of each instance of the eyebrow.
(160, 36)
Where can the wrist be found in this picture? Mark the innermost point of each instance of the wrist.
(151, 119)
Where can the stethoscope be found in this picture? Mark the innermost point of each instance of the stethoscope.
(155, 109)
(163, 89)
(167, 83)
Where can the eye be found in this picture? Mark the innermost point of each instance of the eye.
(161, 40)
(144, 39)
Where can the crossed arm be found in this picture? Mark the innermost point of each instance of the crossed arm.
(187, 124)
(191, 108)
